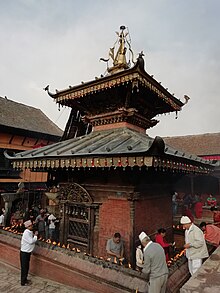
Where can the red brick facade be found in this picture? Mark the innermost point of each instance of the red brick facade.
(114, 216)
(153, 213)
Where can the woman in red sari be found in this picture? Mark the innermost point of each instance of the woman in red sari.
(187, 212)
(198, 209)
(198, 206)
(159, 238)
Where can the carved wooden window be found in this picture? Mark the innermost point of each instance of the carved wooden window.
(79, 223)
(79, 216)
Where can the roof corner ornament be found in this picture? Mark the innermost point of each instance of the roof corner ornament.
(7, 156)
(119, 56)
(187, 98)
(46, 89)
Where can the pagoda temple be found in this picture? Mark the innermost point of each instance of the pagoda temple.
(110, 176)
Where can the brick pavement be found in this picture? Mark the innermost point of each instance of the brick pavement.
(10, 282)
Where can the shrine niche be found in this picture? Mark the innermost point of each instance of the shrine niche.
(78, 216)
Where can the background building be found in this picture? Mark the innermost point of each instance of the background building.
(22, 128)
(206, 146)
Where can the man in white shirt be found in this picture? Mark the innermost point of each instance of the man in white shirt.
(195, 245)
(27, 246)
(51, 221)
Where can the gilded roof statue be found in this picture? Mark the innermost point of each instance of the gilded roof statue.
(119, 55)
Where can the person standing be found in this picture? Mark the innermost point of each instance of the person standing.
(115, 247)
(41, 224)
(195, 245)
(51, 222)
(155, 266)
(187, 212)
(198, 206)
(160, 239)
(174, 203)
(139, 258)
(27, 246)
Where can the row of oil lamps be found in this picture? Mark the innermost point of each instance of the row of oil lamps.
(14, 228)
(174, 259)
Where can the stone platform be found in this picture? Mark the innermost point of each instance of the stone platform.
(207, 278)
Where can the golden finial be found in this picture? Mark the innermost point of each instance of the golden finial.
(119, 56)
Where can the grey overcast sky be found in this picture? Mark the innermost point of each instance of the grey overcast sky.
(59, 42)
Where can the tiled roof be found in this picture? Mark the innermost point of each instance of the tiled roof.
(20, 116)
(200, 145)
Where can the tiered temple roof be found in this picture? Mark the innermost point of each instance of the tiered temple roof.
(120, 107)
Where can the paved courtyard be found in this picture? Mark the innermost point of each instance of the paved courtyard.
(10, 282)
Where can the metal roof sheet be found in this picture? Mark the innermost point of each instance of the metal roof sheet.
(112, 142)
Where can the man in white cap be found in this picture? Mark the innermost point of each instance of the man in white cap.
(27, 246)
(155, 266)
(195, 245)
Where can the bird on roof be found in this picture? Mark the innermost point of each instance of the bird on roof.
(140, 60)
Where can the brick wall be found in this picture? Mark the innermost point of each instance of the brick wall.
(69, 268)
(114, 216)
(153, 213)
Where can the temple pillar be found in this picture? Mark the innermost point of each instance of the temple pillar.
(192, 184)
(96, 233)
(133, 196)
(62, 228)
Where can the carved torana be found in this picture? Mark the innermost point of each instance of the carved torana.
(75, 193)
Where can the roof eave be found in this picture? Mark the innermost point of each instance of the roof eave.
(107, 82)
